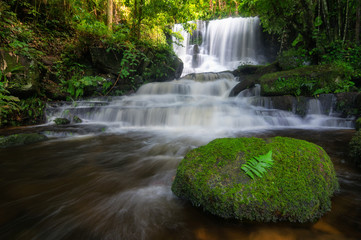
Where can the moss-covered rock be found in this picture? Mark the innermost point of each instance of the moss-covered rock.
(305, 81)
(355, 148)
(21, 139)
(249, 76)
(22, 73)
(297, 188)
(61, 121)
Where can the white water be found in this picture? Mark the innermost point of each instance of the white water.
(191, 106)
(226, 44)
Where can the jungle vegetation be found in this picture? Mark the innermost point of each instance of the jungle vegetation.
(314, 31)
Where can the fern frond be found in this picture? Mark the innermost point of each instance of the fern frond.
(258, 165)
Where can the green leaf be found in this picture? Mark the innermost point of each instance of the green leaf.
(258, 165)
(318, 21)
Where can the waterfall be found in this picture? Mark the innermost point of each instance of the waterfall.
(199, 101)
(220, 45)
(190, 105)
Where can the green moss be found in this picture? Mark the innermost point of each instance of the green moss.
(307, 81)
(297, 188)
(61, 121)
(21, 139)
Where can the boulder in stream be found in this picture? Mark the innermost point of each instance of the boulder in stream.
(21, 139)
(61, 121)
(297, 188)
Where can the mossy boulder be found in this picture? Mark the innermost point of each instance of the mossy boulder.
(249, 76)
(355, 148)
(305, 81)
(21, 139)
(61, 121)
(297, 188)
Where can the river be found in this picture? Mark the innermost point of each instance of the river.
(113, 181)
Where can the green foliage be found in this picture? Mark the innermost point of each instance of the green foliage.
(349, 55)
(309, 80)
(293, 58)
(31, 110)
(8, 104)
(258, 165)
(77, 85)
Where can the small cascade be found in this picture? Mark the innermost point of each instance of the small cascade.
(189, 105)
(314, 107)
(315, 111)
(220, 45)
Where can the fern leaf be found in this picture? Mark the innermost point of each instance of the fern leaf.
(247, 171)
(258, 165)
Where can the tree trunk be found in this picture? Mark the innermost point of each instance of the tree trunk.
(140, 17)
(339, 20)
(346, 23)
(358, 20)
(326, 18)
(110, 14)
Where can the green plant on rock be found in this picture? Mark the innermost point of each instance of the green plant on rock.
(76, 85)
(8, 103)
(32, 110)
(258, 165)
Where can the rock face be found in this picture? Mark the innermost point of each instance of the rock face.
(297, 188)
(249, 76)
(22, 73)
(160, 66)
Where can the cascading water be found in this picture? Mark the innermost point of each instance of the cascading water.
(191, 105)
(220, 45)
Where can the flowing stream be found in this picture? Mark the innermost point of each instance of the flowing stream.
(110, 177)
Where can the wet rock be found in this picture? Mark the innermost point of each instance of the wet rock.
(209, 76)
(106, 61)
(21, 139)
(297, 188)
(348, 103)
(61, 121)
(76, 119)
(247, 83)
(249, 76)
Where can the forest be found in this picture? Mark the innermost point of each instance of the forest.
(112, 127)
(54, 38)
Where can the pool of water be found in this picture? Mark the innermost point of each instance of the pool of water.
(117, 185)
